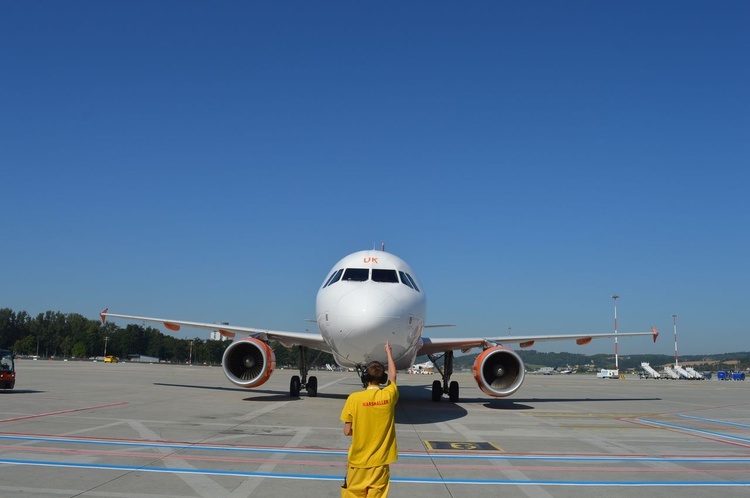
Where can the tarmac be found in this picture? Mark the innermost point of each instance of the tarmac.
(93, 429)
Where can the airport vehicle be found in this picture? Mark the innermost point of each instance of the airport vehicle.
(426, 368)
(368, 298)
(7, 369)
(111, 359)
(608, 374)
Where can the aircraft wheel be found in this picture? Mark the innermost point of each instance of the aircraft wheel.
(312, 386)
(437, 390)
(294, 386)
(453, 391)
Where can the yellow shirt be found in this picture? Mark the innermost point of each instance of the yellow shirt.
(372, 414)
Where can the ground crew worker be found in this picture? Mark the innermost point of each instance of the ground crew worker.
(369, 418)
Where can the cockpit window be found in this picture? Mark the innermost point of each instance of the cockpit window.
(411, 281)
(405, 280)
(384, 276)
(356, 274)
(334, 278)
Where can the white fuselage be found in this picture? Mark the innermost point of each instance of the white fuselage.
(368, 298)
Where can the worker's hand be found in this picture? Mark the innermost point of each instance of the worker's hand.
(391, 365)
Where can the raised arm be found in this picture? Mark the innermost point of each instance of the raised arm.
(391, 366)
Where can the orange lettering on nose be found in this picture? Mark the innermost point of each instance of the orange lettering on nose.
(370, 260)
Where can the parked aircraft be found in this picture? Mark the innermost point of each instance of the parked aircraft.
(544, 371)
(554, 371)
(368, 298)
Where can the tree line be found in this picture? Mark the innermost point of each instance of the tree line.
(59, 335)
(70, 335)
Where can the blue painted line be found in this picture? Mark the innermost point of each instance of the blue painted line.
(343, 453)
(714, 421)
(698, 431)
(442, 481)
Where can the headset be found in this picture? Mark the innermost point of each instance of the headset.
(364, 373)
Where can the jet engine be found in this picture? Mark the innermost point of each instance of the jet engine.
(248, 362)
(499, 371)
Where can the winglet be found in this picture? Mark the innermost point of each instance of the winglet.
(103, 315)
(656, 333)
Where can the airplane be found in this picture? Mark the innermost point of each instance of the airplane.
(370, 297)
(544, 371)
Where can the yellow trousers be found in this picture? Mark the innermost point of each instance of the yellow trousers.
(373, 482)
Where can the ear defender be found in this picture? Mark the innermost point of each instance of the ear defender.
(364, 375)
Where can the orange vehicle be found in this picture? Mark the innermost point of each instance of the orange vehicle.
(7, 369)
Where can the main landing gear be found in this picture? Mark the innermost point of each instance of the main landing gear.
(301, 381)
(446, 386)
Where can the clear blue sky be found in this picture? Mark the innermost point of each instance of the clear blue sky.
(211, 161)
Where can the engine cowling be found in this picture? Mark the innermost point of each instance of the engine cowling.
(248, 362)
(499, 371)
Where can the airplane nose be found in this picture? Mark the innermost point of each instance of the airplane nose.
(368, 304)
(364, 320)
(367, 314)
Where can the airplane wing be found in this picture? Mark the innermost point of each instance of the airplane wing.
(288, 339)
(438, 345)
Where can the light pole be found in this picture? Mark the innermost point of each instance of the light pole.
(191, 353)
(508, 331)
(674, 321)
(105, 345)
(617, 365)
